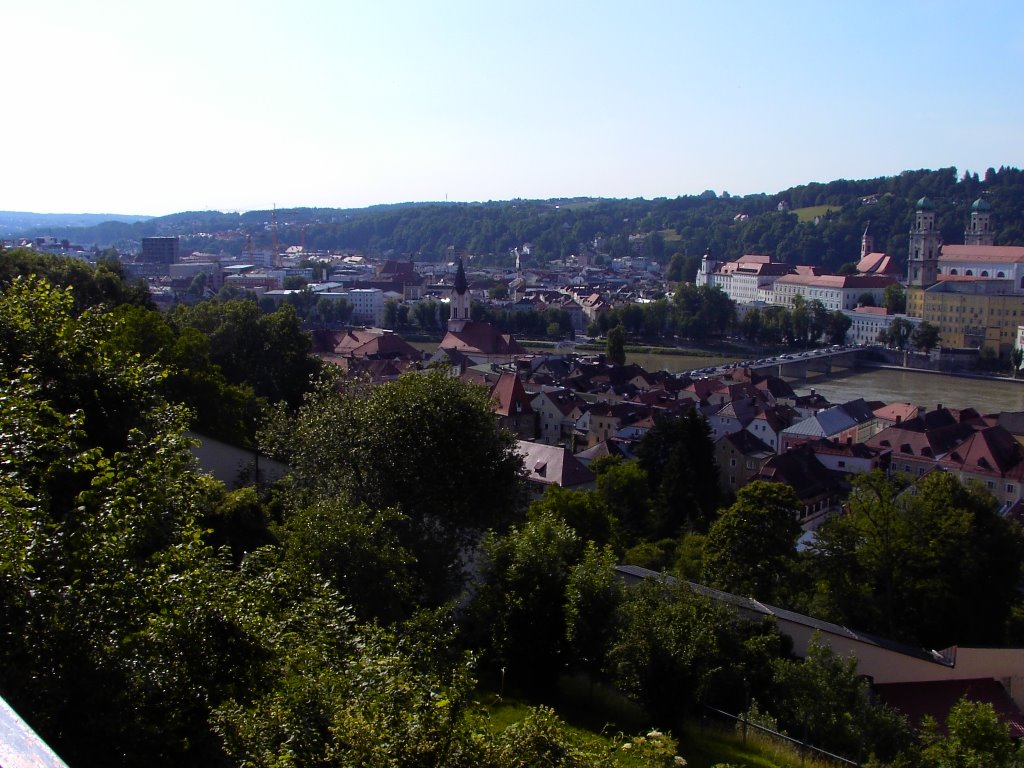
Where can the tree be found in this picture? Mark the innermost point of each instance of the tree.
(823, 700)
(925, 337)
(836, 327)
(974, 738)
(615, 348)
(751, 548)
(678, 456)
(517, 613)
(427, 445)
(899, 332)
(931, 568)
(894, 299)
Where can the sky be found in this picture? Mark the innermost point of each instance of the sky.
(121, 106)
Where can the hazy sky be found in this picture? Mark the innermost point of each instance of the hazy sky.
(152, 108)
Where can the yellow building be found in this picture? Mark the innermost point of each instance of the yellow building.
(970, 312)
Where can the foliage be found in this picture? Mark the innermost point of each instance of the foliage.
(426, 445)
(517, 613)
(268, 352)
(678, 456)
(669, 641)
(615, 350)
(92, 285)
(751, 548)
(974, 738)
(925, 336)
(932, 568)
(823, 700)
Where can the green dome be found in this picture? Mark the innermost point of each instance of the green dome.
(981, 205)
(924, 204)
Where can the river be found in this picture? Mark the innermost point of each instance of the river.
(891, 385)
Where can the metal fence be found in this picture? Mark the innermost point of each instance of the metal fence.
(802, 746)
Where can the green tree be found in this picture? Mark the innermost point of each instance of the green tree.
(899, 332)
(678, 456)
(822, 699)
(615, 348)
(836, 327)
(925, 336)
(930, 568)
(750, 549)
(426, 445)
(894, 299)
(517, 613)
(974, 737)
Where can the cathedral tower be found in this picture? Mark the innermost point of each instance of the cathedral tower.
(925, 244)
(979, 228)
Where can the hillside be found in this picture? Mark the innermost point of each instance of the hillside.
(728, 226)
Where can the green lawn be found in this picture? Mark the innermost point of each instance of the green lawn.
(808, 214)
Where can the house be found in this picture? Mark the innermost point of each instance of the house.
(740, 457)
(548, 465)
(992, 457)
(853, 422)
(512, 406)
(558, 409)
(819, 489)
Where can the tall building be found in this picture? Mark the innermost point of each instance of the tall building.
(925, 244)
(159, 250)
(979, 228)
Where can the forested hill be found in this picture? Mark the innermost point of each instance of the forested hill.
(823, 225)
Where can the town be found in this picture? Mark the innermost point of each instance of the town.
(467, 424)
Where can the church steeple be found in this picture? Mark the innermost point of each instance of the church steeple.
(867, 242)
(925, 244)
(459, 301)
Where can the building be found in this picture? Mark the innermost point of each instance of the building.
(159, 250)
(925, 244)
(971, 313)
(749, 279)
(367, 305)
(842, 292)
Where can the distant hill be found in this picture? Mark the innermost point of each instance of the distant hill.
(817, 223)
(14, 223)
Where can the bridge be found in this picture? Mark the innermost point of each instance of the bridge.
(797, 365)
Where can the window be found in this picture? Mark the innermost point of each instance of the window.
(990, 484)
(1009, 487)
(842, 463)
(732, 462)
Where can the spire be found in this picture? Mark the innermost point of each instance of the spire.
(461, 284)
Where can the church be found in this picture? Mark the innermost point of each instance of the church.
(471, 341)
(974, 293)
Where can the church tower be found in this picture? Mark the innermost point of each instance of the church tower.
(925, 244)
(867, 243)
(979, 228)
(459, 302)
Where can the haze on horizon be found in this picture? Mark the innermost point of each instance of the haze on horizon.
(145, 109)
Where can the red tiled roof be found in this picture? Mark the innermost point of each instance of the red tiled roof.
(510, 397)
(482, 338)
(1005, 254)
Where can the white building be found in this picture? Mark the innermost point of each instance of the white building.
(748, 279)
(867, 322)
(833, 291)
(367, 305)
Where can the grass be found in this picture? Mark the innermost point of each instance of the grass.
(601, 720)
(808, 214)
